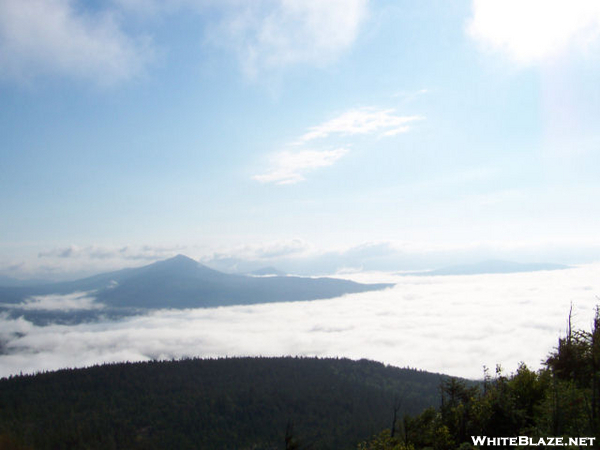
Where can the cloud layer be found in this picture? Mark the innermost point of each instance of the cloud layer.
(451, 324)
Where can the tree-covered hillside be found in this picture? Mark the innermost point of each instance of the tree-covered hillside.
(235, 403)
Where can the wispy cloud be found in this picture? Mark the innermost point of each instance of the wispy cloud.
(452, 324)
(361, 121)
(58, 302)
(40, 37)
(230, 258)
(280, 248)
(531, 31)
(52, 36)
(269, 34)
(290, 167)
(127, 252)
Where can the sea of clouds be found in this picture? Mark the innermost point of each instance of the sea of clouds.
(449, 324)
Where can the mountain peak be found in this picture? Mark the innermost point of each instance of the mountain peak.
(182, 258)
(179, 262)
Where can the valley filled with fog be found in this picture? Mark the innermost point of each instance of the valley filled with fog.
(450, 324)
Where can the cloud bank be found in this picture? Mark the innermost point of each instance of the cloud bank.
(451, 324)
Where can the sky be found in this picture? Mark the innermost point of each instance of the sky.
(313, 135)
(358, 138)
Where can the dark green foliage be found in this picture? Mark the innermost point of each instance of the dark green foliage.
(384, 441)
(235, 403)
(575, 366)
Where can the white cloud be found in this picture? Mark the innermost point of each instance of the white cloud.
(280, 248)
(289, 167)
(451, 324)
(272, 34)
(269, 35)
(127, 252)
(361, 121)
(53, 36)
(63, 37)
(261, 252)
(531, 31)
(58, 302)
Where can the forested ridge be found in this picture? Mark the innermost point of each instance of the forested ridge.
(233, 403)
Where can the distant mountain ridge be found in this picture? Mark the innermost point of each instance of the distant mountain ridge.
(267, 272)
(181, 282)
(14, 282)
(492, 266)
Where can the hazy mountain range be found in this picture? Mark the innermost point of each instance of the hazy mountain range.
(181, 282)
(13, 282)
(492, 266)
(267, 272)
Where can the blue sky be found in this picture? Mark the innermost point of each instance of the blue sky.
(324, 134)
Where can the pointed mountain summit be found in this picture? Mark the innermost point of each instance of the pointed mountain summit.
(177, 265)
(181, 282)
(178, 261)
(181, 262)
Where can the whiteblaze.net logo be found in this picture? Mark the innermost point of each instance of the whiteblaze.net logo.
(533, 442)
